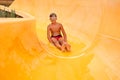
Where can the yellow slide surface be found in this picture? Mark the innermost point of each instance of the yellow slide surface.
(93, 31)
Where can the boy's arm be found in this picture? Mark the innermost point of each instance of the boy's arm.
(48, 34)
(64, 33)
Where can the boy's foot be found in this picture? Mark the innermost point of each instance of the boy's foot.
(63, 48)
(68, 47)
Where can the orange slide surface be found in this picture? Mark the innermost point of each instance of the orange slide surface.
(93, 31)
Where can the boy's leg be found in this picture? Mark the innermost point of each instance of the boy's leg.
(64, 44)
(56, 43)
(61, 41)
(68, 47)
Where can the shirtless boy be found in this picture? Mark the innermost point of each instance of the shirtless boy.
(56, 34)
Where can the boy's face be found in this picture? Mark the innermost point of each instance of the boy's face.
(53, 18)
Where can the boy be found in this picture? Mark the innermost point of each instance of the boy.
(54, 35)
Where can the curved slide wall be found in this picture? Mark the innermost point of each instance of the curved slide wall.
(84, 21)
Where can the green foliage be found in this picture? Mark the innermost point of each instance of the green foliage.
(4, 13)
(13, 13)
(8, 14)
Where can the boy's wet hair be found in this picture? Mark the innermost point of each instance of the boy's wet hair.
(53, 14)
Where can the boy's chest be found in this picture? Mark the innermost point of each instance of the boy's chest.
(55, 28)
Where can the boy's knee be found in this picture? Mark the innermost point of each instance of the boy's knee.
(54, 40)
(65, 43)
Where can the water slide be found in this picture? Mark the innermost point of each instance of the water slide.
(92, 28)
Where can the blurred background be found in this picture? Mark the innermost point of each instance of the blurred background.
(6, 2)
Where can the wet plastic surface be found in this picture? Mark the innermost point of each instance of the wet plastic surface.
(93, 32)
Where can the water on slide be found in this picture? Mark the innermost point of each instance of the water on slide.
(92, 27)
